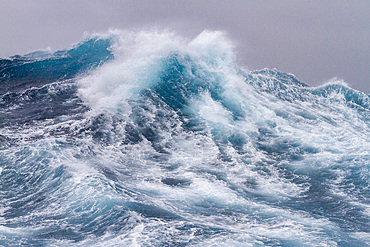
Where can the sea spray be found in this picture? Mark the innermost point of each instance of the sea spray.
(149, 138)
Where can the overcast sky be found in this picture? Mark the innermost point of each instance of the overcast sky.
(315, 40)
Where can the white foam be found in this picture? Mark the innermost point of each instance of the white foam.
(212, 45)
(212, 111)
(137, 64)
(215, 186)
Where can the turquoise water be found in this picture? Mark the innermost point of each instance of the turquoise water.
(150, 139)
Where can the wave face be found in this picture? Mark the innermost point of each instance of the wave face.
(149, 139)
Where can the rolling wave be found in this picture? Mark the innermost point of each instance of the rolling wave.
(150, 139)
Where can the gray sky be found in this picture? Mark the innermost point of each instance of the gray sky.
(315, 40)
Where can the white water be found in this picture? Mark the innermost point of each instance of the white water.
(260, 171)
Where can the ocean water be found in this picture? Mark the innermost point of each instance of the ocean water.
(150, 139)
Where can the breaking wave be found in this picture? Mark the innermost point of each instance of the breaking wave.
(151, 139)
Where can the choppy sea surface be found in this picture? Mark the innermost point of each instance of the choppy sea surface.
(151, 139)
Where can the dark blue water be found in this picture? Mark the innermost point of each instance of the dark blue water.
(148, 139)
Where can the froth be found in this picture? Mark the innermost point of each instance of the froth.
(138, 64)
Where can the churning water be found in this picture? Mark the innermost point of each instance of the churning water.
(149, 139)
